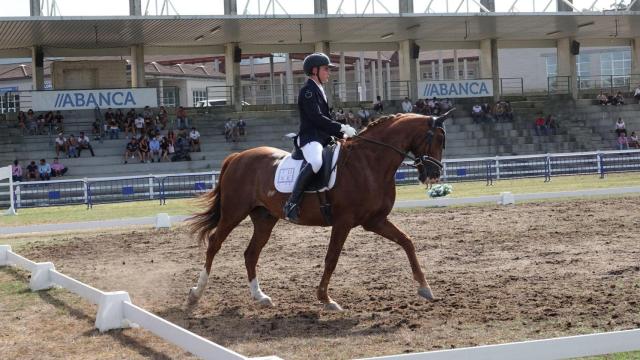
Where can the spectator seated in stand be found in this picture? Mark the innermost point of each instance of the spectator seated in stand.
(181, 118)
(540, 125)
(341, 117)
(61, 145)
(72, 146)
(95, 129)
(139, 126)
(633, 141)
(476, 113)
(242, 128)
(119, 116)
(182, 150)
(620, 127)
(84, 143)
(445, 105)
(57, 169)
(487, 110)
(59, 122)
(114, 130)
(407, 106)
(32, 171)
(378, 106)
(143, 147)
(421, 107)
(48, 120)
(551, 124)
(194, 140)
(154, 149)
(636, 94)
(131, 150)
(164, 149)
(623, 143)
(229, 127)
(22, 122)
(603, 99)
(44, 169)
(32, 124)
(353, 120)
(618, 100)
(163, 117)
(16, 171)
(364, 116)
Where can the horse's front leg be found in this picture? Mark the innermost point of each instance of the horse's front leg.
(388, 230)
(339, 234)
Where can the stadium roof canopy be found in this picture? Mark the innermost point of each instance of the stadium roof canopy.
(163, 34)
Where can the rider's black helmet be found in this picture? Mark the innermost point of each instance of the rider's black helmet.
(315, 60)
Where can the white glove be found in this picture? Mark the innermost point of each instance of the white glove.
(347, 130)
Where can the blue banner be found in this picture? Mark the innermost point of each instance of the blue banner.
(455, 89)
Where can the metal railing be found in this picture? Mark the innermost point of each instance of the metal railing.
(610, 84)
(559, 85)
(396, 90)
(173, 186)
(218, 96)
(511, 86)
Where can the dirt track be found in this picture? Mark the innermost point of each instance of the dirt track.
(500, 274)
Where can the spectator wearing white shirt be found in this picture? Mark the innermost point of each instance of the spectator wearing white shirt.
(84, 143)
(407, 105)
(194, 140)
(636, 93)
(139, 124)
(476, 113)
(61, 144)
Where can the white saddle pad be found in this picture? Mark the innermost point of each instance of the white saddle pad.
(289, 168)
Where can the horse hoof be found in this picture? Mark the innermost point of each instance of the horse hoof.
(333, 306)
(266, 302)
(426, 293)
(192, 299)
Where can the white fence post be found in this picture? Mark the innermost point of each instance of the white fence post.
(111, 311)
(4, 251)
(40, 279)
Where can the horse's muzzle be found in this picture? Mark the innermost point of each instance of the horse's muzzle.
(429, 169)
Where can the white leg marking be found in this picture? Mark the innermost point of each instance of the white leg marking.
(257, 294)
(202, 283)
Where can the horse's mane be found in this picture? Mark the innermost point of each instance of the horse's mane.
(381, 120)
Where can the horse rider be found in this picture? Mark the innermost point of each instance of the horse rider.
(316, 127)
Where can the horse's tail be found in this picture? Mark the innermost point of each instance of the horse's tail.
(203, 223)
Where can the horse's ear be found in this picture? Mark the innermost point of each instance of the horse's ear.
(439, 120)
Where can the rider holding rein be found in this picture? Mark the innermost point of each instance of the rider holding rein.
(316, 127)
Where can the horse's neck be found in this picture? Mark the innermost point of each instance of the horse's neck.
(387, 157)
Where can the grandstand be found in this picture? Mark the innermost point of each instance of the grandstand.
(583, 127)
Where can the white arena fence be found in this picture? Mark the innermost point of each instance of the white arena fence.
(115, 309)
(92, 191)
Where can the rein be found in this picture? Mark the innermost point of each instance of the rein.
(416, 161)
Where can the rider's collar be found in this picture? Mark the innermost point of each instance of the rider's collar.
(317, 83)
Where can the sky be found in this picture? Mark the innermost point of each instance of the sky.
(216, 7)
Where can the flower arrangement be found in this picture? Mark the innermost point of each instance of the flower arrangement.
(440, 190)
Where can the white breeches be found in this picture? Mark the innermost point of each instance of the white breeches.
(313, 154)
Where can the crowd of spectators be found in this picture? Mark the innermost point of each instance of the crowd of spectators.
(604, 99)
(546, 125)
(233, 131)
(41, 171)
(623, 140)
(46, 123)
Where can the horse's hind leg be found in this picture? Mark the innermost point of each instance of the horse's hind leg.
(388, 230)
(263, 223)
(215, 242)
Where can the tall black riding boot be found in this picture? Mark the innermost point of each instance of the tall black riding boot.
(291, 208)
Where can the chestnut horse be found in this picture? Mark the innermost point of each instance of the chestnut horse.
(364, 194)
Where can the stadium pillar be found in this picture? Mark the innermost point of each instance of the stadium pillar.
(230, 7)
(137, 66)
(380, 80)
(374, 82)
(320, 7)
(489, 4)
(388, 68)
(567, 64)
(635, 62)
(34, 8)
(232, 72)
(408, 68)
(135, 7)
(489, 64)
(456, 65)
(405, 6)
(342, 78)
(363, 78)
(272, 80)
(562, 6)
(37, 68)
(323, 47)
(289, 71)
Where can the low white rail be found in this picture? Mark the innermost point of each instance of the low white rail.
(115, 309)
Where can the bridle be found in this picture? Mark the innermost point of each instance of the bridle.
(431, 167)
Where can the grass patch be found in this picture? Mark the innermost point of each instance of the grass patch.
(66, 214)
(634, 355)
